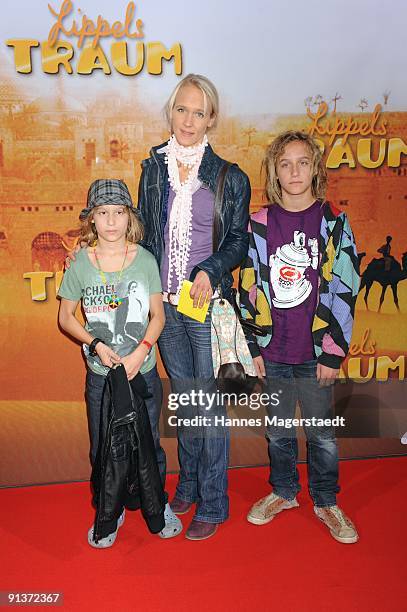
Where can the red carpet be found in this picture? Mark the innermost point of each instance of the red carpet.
(290, 564)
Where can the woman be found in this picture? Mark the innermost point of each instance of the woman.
(177, 205)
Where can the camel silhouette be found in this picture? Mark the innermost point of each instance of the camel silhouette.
(375, 272)
(360, 257)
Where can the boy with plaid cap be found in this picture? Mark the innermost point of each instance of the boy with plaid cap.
(118, 283)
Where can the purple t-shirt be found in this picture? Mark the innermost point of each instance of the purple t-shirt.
(202, 224)
(292, 247)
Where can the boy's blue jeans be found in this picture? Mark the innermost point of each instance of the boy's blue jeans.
(294, 382)
(95, 384)
(203, 452)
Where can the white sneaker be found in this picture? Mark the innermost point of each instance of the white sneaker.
(173, 525)
(340, 526)
(266, 508)
(404, 439)
(108, 540)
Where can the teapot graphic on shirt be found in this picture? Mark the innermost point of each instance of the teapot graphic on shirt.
(287, 271)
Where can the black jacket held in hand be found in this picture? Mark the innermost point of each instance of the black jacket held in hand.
(125, 473)
(234, 217)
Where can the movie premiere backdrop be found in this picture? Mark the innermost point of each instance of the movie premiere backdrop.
(82, 86)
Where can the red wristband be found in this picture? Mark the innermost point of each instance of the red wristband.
(148, 345)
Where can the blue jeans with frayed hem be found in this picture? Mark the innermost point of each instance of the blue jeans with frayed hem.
(294, 382)
(203, 451)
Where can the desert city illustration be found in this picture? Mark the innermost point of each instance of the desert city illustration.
(54, 144)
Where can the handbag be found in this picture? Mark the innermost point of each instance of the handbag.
(248, 326)
(232, 362)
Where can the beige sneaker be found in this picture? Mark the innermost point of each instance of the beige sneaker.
(267, 507)
(340, 526)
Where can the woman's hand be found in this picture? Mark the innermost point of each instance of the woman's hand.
(201, 290)
(258, 363)
(72, 254)
(326, 376)
(108, 357)
(133, 362)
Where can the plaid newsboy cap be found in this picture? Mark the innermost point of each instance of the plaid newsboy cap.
(107, 191)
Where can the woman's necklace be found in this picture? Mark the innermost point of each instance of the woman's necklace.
(114, 300)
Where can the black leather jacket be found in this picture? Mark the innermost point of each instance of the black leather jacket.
(125, 473)
(233, 236)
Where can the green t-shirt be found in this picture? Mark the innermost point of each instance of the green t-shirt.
(121, 328)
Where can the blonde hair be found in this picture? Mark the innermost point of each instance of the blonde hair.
(210, 94)
(134, 233)
(276, 150)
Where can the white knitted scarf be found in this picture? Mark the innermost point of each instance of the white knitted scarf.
(180, 221)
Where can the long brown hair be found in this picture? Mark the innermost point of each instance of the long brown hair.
(276, 150)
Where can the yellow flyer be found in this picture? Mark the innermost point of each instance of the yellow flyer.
(186, 304)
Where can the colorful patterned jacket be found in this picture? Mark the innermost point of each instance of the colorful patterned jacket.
(337, 293)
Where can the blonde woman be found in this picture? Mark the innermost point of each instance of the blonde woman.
(180, 213)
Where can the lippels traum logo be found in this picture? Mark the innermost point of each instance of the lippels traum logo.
(89, 55)
(334, 132)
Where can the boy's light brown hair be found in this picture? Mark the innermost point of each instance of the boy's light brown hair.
(276, 150)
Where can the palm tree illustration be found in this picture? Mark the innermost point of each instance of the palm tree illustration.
(363, 104)
(308, 103)
(249, 133)
(335, 99)
(318, 99)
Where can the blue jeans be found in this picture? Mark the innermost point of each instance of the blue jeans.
(294, 382)
(95, 384)
(203, 451)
